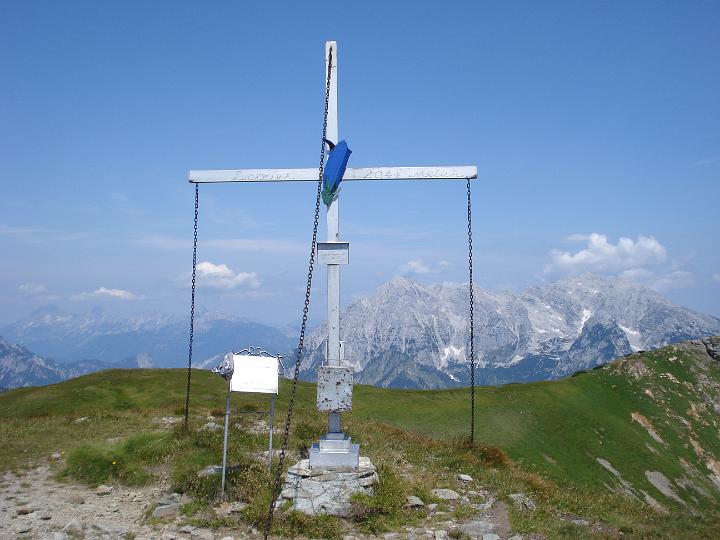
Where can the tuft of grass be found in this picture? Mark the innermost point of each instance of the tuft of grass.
(383, 509)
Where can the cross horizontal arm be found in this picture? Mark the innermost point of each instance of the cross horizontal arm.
(362, 173)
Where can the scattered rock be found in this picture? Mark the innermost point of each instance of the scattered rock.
(414, 502)
(187, 529)
(663, 485)
(81, 419)
(46, 517)
(237, 507)
(476, 529)
(211, 426)
(202, 534)
(432, 506)
(103, 490)
(73, 528)
(23, 511)
(228, 538)
(440, 535)
(166, 510)
(57, 535)
(173, 498)
(106, 530)
(490, 536)
(210, 470)
(445, 494)
(522, 502)
(23, 528)
(56, 456)
(464, 478)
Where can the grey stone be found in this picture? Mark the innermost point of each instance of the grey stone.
(187, 529)
(237, 507)
(103, 490)
(464, 478)
(23, 528)
(46, 517)
(440, 535)
(23, 511)
(522, 502)
(318, 491)
(414, 502)
(172, 498)
(211, 426)
(57, 535)
(202, 534)
(210, 470)
(55, 456)
(73, 528)
(110, 529)
(228, 538)
(490, 536)
(445, 494)
(166, 510)
(516, 537)
(432, 506)
(476, 529)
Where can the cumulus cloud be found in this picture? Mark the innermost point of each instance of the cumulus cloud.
(104, 292)
(32, 289)
(418, 267)
(221, 276)
(601, 255)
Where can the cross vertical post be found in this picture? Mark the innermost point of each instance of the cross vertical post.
(333, 235)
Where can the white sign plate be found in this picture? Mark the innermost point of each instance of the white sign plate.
(333, 252)
(254, 374)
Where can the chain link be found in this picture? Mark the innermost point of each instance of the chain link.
(301, 342)
(192, 310)
(472, 318)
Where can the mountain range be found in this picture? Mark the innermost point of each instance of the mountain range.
(410, 335)
(405, 335)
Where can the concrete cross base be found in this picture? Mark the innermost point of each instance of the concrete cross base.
(318, 491)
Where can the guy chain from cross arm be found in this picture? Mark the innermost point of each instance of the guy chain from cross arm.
(192, 311)
(472, 321)
(301, 342)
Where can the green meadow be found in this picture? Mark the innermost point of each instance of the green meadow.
(647, 413)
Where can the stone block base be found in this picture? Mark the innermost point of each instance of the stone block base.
(318, 491)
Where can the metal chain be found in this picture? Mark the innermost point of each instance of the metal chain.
(472, 319)
(301, 342)
(192, 311)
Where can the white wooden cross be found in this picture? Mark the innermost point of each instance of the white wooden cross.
(336, 452)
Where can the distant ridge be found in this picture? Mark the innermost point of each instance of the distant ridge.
(409, 335)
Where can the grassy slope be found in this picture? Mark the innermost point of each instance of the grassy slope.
(556, 429)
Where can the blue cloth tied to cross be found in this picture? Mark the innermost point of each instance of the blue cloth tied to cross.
(334, 170)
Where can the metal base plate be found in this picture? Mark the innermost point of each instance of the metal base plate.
(335, 452)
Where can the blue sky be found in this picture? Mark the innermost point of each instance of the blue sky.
(595, 128)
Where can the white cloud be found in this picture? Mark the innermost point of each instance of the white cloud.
(419, 267)
(220, 276)
(104, 292)
(32, 288)
(709, 161)
(600, 255)
(677, 279)
(258, 245)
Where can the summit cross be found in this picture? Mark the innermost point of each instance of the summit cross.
(335, 377)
